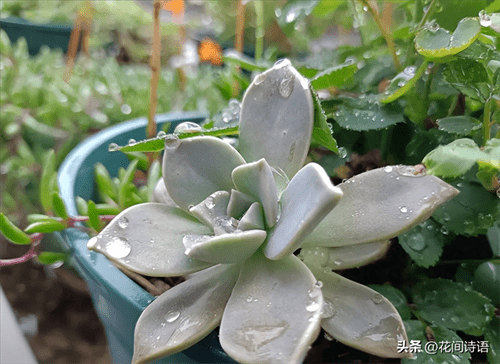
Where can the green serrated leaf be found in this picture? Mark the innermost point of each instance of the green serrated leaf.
(471, 213)
(334, 76)
(396, 297)
(454, 159)
(46, 226)
(51, 257)
(321, 129)
(366, 113)
(487, 174)
(453, 305)
(158, 144)
(104, 182)
(58, 205)
(460, 125)
(293, 11)
(402, 83)
(48, 170)
(416, 333)
(424, 243)
(12, 232)
(469, 77)
(93, 216)
(494, 238)
(492, 336)
(435, 43)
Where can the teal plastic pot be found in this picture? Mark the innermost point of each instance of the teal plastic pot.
(118, 300)
(51, 35)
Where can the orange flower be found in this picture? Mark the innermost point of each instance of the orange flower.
(211, 52)
(176, 7)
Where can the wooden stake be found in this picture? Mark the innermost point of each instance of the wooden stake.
(155, 71)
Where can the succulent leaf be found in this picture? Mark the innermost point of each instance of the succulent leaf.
(238, 204)
(276, 119)
(358, 316)
(224, 248)
(256, 180)
(253, 218)
(184, 314)
(347, 257)
(147, 239)
(211, 208)
(194, 168)
(379, 205)
(160, 194)
(308, 198)
(274, 312)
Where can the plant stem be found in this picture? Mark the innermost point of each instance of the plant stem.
(23, 258)
(385, 32)
(486, 120)
(155, 71)
(240, 27)
(422, 22)
(259, 29)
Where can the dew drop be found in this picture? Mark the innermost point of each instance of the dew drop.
(118, 247)
(113, 147)
(417, 242)
(328, 337)
(387, 169)
(187, 127)
(328, 309)
(286, 85)
(342, 152)
(92, 243)
(259, 79)
(172, 142)
(126, 109)
(312, 306)
(403, 209)
(484, 19)
(123, 222)
(377, 298)
(249, 298)
(161, 134)
(172, 316)
(132, 141)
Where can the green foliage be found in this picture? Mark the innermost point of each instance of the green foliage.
(424, 243)
(453, 305)
(12, 232)
(51, 257)
(417, 331)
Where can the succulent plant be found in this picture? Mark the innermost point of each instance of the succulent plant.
(231, 222)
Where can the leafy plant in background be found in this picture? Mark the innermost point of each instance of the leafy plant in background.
(41, 111)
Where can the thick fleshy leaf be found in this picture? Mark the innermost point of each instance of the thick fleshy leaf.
(346, 257)
(238, 204)
(225, 248)
(211, 208)
(276, 120)
(379, 205)
(358, 316)
(274, 312)
(308, 198)
(184, 314)
(160, 194)
(147, 239)
(194, 168)
(253, 218)
(256, 180)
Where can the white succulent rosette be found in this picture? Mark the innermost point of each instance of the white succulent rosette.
(230, 221)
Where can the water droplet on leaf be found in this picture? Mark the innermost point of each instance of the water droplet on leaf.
(172, 316)
(118, 247)
(113, 147)
(123, 222)
(172, 142)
